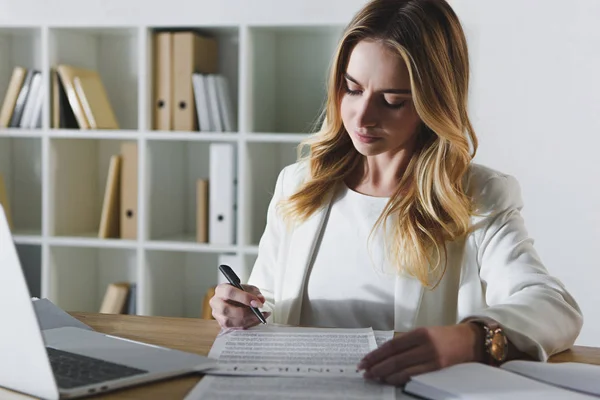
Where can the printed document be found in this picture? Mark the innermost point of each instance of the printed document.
(383, 336)
(292, 351)
(288, 388)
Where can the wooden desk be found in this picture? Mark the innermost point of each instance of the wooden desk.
(197, 336)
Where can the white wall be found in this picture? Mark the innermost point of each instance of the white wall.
(536, 108)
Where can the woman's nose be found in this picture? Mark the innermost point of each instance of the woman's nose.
(366, 114)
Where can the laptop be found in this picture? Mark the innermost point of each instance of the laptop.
(70, 362)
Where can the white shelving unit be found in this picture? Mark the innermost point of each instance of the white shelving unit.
(276, 57)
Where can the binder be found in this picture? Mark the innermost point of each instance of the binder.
(12, 93)
(202, 210)
(129, 190)
(192, 53)
(36, 117)
(87, 97)
(162, 117)
(115, 298)
(5, 203)
(201, 102)
(22, 99)
(55, 108)
(35, 89)
(109, 219)
(66, 74)
(213, 102)
(94, 101)
(225, 104)
(62, 113)
(221, 223)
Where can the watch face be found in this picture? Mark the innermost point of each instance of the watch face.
(498, 346)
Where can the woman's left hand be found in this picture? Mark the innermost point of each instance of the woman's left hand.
(423, 350)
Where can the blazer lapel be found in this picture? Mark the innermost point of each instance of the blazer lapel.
(301, 249)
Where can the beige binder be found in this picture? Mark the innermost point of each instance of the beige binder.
(111, 213)
(55, 104)
(191, 53)
(12, 93)
(202, 211)
(66, 74)
(129, 190)
(5, 204)
(162, 113)
(94, 101)
(87, 97)
(115, 298)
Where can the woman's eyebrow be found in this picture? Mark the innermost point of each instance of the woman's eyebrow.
(391, 91)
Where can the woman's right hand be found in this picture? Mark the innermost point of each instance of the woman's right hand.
(231, 306)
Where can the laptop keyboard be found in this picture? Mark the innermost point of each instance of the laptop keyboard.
(74, 370)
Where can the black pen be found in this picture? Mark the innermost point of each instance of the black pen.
(235, 281)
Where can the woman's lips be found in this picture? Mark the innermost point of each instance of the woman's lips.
(366, 138)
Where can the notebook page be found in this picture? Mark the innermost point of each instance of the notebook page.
(478, 381)
(575, 376)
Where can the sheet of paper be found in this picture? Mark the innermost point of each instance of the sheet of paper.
(575, 376)
(288, 388)
(472, 381)
(383, 336)
(292, 351)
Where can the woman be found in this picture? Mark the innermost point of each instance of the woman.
(388, 223)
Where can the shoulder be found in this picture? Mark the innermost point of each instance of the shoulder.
(492, 191)
(292, 176)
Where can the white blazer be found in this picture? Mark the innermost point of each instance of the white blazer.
(493, 272)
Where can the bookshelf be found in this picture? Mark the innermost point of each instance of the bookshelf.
(276, 58)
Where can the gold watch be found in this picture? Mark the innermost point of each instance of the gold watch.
(496, 343)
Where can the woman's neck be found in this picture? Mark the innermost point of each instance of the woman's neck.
(379, 175)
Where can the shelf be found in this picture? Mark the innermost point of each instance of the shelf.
(56, 178)
(113, 53)
(287, 73)
(176, 282)
(77, 184)
(251, 250)
(186, 243)
(192, 136)
(91, 241)
(79, 276)
(228, 54)
(93, 134)
(174, 169)
(276, 137)
(27, 237)
(264, 161)
(20, 133)
(20, 166)
(20, 47)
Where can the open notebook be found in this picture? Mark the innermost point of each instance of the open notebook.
(513, 380)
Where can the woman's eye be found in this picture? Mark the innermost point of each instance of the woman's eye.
(394, 105)
(352, 92)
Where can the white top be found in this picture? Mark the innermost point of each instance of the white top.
(347, 286)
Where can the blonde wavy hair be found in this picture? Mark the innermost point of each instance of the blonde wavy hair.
(430, 206)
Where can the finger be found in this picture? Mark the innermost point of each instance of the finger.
(399, 362)
(402, 377)
(255, 291)
(394, 346)
(229, 292)
(225, 309)
(252, 320)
